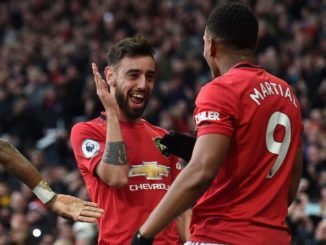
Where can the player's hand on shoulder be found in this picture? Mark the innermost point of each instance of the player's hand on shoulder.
(73, 208)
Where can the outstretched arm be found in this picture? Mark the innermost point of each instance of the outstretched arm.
(208, 155)
(73, 208)
(64, 205)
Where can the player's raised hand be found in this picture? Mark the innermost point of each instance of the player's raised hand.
(103, 90)
(73, 208)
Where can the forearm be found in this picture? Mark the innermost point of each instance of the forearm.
(113, 126)
(117, 154)
(115, 149)
(18, 166)
(113, 168)
(182, 195)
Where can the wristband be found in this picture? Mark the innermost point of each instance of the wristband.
(43, 192)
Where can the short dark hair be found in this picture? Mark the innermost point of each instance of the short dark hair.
(129, 47)
(235, 24)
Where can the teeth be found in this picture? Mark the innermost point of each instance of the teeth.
(139, 96)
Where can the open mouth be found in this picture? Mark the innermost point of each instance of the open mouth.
(137, 98)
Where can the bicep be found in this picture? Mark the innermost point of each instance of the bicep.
(87, 148)
(209, 153)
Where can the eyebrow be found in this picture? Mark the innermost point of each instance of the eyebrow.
(137, 70)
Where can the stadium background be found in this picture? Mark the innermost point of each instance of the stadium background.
(46, 48)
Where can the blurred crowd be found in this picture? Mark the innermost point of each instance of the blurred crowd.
(46, 85)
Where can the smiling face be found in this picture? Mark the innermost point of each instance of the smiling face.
(133, 81)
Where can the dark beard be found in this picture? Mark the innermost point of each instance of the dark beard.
(123, 104)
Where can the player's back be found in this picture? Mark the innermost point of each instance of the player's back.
(248, 199)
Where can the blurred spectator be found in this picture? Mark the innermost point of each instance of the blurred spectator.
(18, 202)
(85, 233)
(320, 235)
(19, 228)
(65, 235)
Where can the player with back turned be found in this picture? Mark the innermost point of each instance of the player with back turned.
(246, 163)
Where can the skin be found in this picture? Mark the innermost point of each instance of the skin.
(63, 205)
(203, 168)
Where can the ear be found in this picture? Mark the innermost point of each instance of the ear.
(212, 47)
(109, 75)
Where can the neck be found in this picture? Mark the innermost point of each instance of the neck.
(232, 57)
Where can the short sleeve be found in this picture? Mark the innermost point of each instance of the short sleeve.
(88, 146)
(216, 109)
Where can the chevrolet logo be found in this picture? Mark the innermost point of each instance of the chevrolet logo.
(152, 170)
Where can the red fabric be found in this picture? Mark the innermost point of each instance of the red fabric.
(243, 206)
(126, 209)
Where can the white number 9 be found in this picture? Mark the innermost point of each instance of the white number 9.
(279, 148)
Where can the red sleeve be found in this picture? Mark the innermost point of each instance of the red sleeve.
(216, 109)
(88, 145)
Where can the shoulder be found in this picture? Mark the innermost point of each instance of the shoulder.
(222, 87)
(82, 126)
(224, 81)
(93, 129)
(158, 129)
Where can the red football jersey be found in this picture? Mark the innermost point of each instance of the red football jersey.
(247, 201)
(150, 176)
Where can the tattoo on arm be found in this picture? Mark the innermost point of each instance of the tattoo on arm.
(115, 153)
